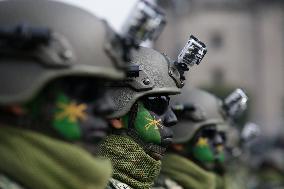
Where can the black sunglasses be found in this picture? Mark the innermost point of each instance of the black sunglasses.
(156, 104)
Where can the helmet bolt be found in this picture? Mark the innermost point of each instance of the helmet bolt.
(146, 81)
(67, 54)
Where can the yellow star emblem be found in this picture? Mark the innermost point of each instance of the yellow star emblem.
(72, 111)
(202, 142)
(153, 122)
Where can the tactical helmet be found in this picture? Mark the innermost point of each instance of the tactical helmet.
(153, 76)
(44, 40)
(196, 109)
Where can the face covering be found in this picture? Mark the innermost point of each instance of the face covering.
(150, 126)
(208, 146)
(73, 109)
(207, 153)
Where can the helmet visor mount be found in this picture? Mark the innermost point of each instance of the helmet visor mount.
(145, 23)
(40, 43)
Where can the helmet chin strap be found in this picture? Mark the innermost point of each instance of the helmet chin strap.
(153, 150)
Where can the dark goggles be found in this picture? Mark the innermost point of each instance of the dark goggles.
(211, 132)
(156, 104)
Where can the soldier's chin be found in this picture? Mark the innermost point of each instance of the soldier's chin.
(167, 141)
(156, 152)
(156, 156)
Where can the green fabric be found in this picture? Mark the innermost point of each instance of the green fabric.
(270, 177)
(146, 125)
(40, 162)
(221, 182)
(131, 164)
(238, 174)
(189, 175)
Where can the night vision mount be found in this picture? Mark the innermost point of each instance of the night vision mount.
(145, 22)
(250, 132)
(192, 53)
(236, 103)
(23, 40)
(24, 36)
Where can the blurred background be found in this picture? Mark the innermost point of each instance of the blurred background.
(245, 40)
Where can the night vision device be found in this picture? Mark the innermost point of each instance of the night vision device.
(236, 103)
(192, 53)
(145, 23)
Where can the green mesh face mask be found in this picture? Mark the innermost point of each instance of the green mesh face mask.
(147, 125)
(131, 165)
(203, 152)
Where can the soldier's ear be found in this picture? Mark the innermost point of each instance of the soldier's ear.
(178, 147)
(16, 110)
(116, 123)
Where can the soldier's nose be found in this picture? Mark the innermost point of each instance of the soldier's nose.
(170, 118)
(218, 139)
(104, 106)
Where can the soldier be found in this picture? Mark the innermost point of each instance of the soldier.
(266, 162)
(198, 145)
(142, 118)
(269, 173)
(54, 70)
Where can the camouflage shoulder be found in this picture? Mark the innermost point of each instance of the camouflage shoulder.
(163, 182)
(7, 183)
(116, 184)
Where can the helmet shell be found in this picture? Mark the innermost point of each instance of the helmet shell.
(153, 79)
(207, 107)
(84, 34)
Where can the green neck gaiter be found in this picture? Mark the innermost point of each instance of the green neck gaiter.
(221, 181)
(36, 161)
(132, 165)
(186, 173)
